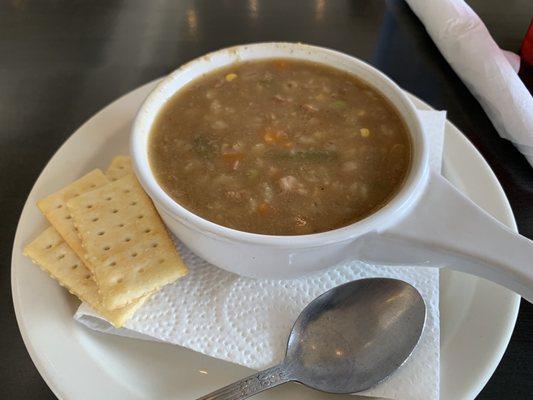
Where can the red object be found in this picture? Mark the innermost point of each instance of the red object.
(526, 51)
(526, 58)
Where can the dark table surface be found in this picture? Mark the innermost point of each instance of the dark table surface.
(62, 61)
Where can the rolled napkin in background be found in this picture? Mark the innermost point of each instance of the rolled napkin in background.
(467, 45)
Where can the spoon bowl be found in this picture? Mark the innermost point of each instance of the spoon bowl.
(355, 335)
(345, 341)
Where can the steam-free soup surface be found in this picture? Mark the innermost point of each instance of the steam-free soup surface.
(279, 147)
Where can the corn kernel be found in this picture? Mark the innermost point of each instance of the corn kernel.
(230, 77)
(364, 132)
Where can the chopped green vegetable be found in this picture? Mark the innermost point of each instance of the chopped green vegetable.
(204, 146)
(252, 173)
(311, 155)
(338, 104)
(266, 79)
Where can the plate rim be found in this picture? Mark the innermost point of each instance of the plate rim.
(36, 357)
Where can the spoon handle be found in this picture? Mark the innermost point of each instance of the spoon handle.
(251, 385)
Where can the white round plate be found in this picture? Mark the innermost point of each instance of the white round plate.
(477, 317)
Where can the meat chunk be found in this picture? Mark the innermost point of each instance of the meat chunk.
(290, 184)
(237, 196)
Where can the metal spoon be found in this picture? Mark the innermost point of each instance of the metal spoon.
(345, 341)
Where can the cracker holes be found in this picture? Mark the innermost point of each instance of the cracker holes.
(108, 198)
(154, 245)
(93, 186)
(121, 167)
(114, 211)
(95, 219)
(119, 280)
(89, 206)
(74, 266)
(126, 190)
(106, 248)
(133, 203)
(127, 239)
(60, 257)
(101, 233)
(147, 230)
(121, 225)
(88, 276)
(134, 254)
(140, 270)
(48, 247)
(68, 217)
(161, 261)
(59, 206)
(140, 216)
(112, 263)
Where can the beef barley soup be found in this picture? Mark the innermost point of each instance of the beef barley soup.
(279, 147)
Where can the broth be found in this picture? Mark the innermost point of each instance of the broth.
(280, 147)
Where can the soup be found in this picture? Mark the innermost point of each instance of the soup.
(279, 147)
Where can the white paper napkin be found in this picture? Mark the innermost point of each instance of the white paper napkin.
(467, 45)
(247, 321)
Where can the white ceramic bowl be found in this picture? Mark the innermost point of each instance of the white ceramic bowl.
(269, 256)
(428, 222)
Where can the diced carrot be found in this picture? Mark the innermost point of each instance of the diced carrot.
(288, 145)
(276, 137)
(265, 209)
(270, 137)
(233, 159)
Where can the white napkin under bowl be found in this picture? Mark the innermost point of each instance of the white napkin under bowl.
(247, 321)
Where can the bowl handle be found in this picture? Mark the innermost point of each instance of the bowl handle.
(445, 228)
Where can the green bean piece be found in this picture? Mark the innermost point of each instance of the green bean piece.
(311, 155)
